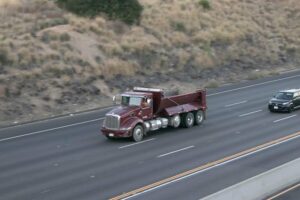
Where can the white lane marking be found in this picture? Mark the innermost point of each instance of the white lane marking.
(51, 129)
(253, 85)
(288, 71)
(129, 145)
(55, 118)
(237, 103)
(212, 167)
(284, 192)
(250, 113)
(172, 152)
(278, 120)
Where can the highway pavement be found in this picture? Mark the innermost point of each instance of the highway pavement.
(68, 158)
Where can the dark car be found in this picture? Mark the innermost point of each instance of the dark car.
(286, 100)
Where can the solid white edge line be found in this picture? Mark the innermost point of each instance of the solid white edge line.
(172, 152)
(257, 84)
(288, 71)
(214, 166)
(237, 103)
(51, 129)
(246, 114)
(54, 118)
(284, 192)
(129, 145)
(278, 120)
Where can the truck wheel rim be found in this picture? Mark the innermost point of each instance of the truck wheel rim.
(199, 117)
(176, 121)
(190, 120)
(138, 133)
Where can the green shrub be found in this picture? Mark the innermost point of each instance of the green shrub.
(46, 23)
(128, 11)
(7, 92)
(4, 56)
(49, 36)
(212, 83)
(205, 4)
(64, 37)
(178, 26)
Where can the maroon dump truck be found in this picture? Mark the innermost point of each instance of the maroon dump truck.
(147, 109)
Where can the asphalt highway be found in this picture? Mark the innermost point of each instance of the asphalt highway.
(68, 158)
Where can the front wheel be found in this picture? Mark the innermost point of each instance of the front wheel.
(108, 137)
(199, 117)
(138, 133)
(290, 109)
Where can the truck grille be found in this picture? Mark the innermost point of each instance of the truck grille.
(112, 121)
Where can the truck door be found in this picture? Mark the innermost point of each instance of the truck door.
(147, 108)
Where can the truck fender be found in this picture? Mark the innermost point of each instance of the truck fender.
(131, 123)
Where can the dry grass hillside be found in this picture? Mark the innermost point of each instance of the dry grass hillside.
(53, 62)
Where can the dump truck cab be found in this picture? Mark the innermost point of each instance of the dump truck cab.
(142, 100)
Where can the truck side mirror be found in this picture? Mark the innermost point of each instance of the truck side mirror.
(149, 101)
(114, 99)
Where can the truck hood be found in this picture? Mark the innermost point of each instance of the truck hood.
(124, 111)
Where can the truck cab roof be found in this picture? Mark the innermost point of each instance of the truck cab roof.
(137, 94)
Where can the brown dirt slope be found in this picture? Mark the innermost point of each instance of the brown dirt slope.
(52, 62)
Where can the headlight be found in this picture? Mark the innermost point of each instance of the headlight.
(286, 103)
(270, 102)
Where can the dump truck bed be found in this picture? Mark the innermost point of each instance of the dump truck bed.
(182, 103)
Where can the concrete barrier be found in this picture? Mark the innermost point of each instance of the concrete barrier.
(262, 185)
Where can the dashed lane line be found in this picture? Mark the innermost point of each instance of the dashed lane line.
(249, 113)
(176, 151)
(129, 145)
(237, 103)
(285, 118)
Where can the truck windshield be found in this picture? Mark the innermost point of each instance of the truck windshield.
(131, 101)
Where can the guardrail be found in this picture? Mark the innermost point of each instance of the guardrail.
(262, 185)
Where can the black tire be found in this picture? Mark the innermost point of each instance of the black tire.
(188, 120)
(290, 109)
(199, 117)
(108, 137)
(138, 133)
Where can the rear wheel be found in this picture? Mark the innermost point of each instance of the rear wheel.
(176, 120)
(138, 133)
(188, 120)
(199, 117)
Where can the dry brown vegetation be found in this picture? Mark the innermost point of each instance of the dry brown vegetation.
(53, 62)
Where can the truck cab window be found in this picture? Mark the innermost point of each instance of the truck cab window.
(131, 101)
